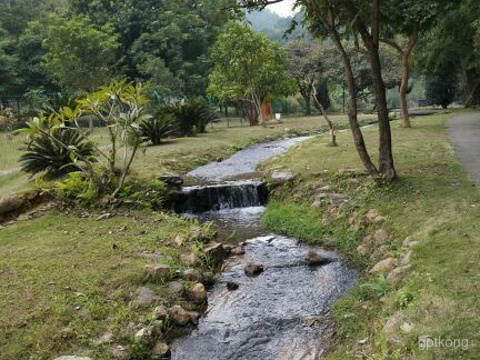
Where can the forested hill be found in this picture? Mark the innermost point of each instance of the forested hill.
(275, 26)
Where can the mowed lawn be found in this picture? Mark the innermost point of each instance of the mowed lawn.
(435, 203)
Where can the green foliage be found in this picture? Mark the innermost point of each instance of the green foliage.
(76, 186)
(295, 220)
(53, 152)
(378, 286)
(158, 127)
(8, 62)
(323, 95)
(248, 67)
(440, 90)
(192, 116)
(79, 55)
(153, 33)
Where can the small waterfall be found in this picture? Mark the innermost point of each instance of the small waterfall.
(229, 195)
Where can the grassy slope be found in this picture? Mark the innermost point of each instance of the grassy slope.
(435, 202)
(46, 263)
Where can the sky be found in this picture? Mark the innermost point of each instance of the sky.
(283, 8)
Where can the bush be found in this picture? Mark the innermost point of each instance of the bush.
(45, 153)
(192, 116)
(158, 127)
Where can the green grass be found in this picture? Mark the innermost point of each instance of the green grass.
(175, 155)
(63, 284)
(434, 201)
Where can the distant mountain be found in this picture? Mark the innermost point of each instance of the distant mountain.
(275, 26)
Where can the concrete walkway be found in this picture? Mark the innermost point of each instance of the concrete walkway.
(464, 134)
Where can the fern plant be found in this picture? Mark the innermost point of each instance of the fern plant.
(193, 116)
(49, 153)
(158, 127)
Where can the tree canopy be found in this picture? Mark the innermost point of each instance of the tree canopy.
(248, 67)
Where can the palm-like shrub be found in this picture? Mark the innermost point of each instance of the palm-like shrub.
(193, 116)
(50, 154)
(158, 127)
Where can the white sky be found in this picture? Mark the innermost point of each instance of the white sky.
(283, 8)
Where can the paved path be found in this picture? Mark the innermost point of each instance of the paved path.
(464, 134)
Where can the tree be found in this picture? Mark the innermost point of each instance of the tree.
(450, 44)
(440, 90)
(405, 20)
(8, 62)
(359, 20)
(79, 55)
(304, 66)
(248, 67)
(179, 33)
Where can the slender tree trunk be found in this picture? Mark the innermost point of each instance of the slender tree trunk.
(331, 128)
(353, 106)
(405, 117)
(385, 161)
(308, 106)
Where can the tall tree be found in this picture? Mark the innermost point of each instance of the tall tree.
(248, 67)
(450, 44)
(404, 22)
(304, 66)
(79, 56)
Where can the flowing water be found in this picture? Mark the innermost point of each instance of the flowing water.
(281, 314)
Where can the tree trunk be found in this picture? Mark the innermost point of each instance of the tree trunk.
(353, 106)
(405, 117)
(308, 106)
(385, 162)
(331, 128)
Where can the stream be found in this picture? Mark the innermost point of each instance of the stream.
(281, 314)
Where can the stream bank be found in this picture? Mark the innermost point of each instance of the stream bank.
(281, 311)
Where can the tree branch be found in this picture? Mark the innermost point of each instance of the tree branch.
(393, 44)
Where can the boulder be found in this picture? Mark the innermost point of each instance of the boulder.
(406, 259)
(193, 275)
(198, 234)
(146, 296)
(384, 266)
(159, 272)
(279, 177)
(238, 251)
(410, 241)
(372, 214)
(380, 236)
(396, 276)
(252, 269)
(182, 317)
(198, 294)
(189, 259)
(160, 350)
(176, 288)
(179, 241)
(160, 313)
(232, 286)
(216, 254)
(316, 259)
(317, 204)
(104, 216)
(172, 180)
(144, 335)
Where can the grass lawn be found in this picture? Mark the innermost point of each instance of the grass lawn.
(66, 280)
(434, 202)
(175, 155)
